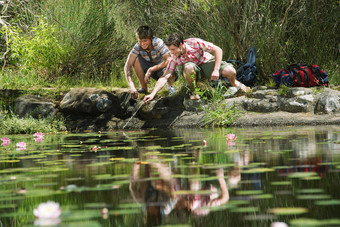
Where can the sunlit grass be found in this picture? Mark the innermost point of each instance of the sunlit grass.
(12, 124)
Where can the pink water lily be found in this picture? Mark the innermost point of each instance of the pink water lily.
(231, 143)
(21, 146)
(38, 134)
(38, 139)
(205, 143)
(231, 137)
(5, 141)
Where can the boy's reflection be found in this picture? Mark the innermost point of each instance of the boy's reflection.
(199, 205)
(156, 190)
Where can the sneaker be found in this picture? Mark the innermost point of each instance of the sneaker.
(141, 91)
(243, 87)
(172, 90)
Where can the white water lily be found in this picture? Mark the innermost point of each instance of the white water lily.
(49, 210)
(47, 222)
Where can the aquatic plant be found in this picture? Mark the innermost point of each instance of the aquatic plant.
(38, 134)
(47, 214)
(5, 141)
(48, 210)
(21, 146)
(218, 112)
(231, 136)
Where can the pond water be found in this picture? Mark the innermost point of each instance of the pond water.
(180, 177)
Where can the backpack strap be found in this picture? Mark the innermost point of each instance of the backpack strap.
(235, 61)
(292, 69)
(251, 58)
(317, 73)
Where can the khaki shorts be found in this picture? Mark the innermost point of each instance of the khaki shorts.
(204, 70)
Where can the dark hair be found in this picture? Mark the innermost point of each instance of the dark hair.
(144, 32)
(174, 39)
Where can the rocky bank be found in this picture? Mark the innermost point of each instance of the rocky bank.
(96, 109)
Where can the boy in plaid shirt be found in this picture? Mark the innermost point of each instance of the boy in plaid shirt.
(199, 58)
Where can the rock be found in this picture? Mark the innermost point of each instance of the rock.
(35, 106)
(329, 102)
(303, 103)
(159, 108)
(191, 105)
(262, 106)
(89, 101)
(96, 109)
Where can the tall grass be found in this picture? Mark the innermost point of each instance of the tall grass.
(101, 33)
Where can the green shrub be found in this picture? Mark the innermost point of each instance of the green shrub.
(218, 112)
(12, 124)
(37, 50)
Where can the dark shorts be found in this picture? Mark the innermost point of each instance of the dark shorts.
(204, 70)
(156, 74)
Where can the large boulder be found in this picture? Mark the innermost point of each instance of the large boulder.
(35, 106)
(90, 101)
(160, 108)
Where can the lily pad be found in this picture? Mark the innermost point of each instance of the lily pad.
(328, 202)
(264, 196)
(76, 215)
(89, 223)
(314, 222)
(313, 197)
(302, 175)
(96, 205)
(311, 190)
(288, 210)
(125, 212)
(281, 183)
(245, 210)
(258, 170)
(249, 192)
(129, 205)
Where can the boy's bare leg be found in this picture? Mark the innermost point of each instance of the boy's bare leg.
(137, 68)
(230, 73)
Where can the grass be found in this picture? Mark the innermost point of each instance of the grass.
(12, 124)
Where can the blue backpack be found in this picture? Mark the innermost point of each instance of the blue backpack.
(246, 72)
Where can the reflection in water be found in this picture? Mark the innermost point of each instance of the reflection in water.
(155, 186)
(157, 195)
(239, 177)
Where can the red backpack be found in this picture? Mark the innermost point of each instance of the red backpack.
(301, 75)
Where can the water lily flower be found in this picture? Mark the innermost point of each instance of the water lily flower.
(5, 141)
(47, 222)
(38, 134)
(205, 143)
(105, 213)
(21, 146)
(95, 148)
(231, 143)
(38, 139)
(231, 137)
(48, 210)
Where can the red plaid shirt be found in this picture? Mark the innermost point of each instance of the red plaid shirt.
(198, 52)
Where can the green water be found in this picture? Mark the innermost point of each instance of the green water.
(288, 174)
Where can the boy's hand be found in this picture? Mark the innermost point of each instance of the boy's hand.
(148, 98)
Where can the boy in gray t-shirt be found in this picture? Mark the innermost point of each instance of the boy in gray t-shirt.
(148, 58)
